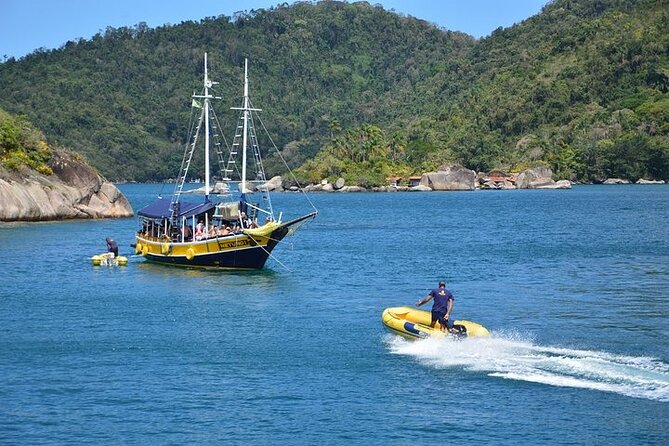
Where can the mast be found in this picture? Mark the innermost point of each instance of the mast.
(246, 124)
(206, 130)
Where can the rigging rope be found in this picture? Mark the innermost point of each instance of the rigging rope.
(286, 164)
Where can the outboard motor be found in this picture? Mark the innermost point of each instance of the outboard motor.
(461, 331)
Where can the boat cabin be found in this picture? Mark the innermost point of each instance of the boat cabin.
(195, 221)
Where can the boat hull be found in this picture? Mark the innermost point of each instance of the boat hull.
(415, 324)
(244, 251)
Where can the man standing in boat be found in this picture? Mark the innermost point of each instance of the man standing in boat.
(441, 307)
(112, 246)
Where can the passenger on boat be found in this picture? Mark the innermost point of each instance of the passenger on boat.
(199, 231)
(112, 246)
(441, 307)
(187, 233)
(248, 222)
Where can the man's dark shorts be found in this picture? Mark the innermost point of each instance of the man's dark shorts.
(439, 316)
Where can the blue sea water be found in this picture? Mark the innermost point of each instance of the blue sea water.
(573, 285)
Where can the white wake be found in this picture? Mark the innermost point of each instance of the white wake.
(507, 357)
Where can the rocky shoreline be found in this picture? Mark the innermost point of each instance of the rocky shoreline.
(74, 191)
(449, 178)
(77, 191)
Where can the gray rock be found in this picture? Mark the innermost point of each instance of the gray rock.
(419, 188)
(313, 188)
(535, 177)
(287, 184)
(506, 185)
(75, 190)
(352, 189)
(616, 181)
(450, 178)
(217, 188)
(339, 183)
(562, 184)
(643, 181)
(273, 184)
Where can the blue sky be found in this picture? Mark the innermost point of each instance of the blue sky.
(26, 25)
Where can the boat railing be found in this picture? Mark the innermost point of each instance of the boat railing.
(178, 239)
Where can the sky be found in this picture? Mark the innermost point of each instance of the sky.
(26, 25)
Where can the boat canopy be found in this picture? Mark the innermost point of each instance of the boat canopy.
(161, 209)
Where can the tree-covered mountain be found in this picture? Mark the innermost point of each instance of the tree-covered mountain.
(21, 144)
(364, 93)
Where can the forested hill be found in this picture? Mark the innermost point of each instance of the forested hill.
(363, 92)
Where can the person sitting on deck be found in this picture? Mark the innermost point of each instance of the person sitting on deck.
(199, 231)
(187, 233)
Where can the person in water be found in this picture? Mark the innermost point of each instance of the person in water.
(112, 246)
(441, 307)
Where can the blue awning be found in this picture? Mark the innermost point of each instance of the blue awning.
(161, 209)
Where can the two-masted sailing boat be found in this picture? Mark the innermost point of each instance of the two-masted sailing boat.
(222, 231)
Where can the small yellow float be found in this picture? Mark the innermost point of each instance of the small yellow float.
(108, 259)
(413, 323)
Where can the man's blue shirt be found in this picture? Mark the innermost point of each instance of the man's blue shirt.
(440, 298)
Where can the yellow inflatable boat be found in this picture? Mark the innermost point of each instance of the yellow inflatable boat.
(413, 323)
(108, 259)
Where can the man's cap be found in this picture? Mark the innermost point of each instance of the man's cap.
(442, 283)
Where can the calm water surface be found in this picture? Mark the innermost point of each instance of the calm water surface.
(574, 286)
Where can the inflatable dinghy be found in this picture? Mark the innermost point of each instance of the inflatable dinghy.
(108, 259)
(413, 323)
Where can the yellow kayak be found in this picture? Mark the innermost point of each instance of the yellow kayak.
(413, 323)
(108, 259)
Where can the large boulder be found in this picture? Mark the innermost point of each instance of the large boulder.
(352, 189)
(217, 188)
(290, 184)
(616, 181)
(562, 184)
(272, 185)
(540, 178)
(506, 185)
(419, 188)
(75, 190)
(534, 178)
(313, 188)
(450, 178)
